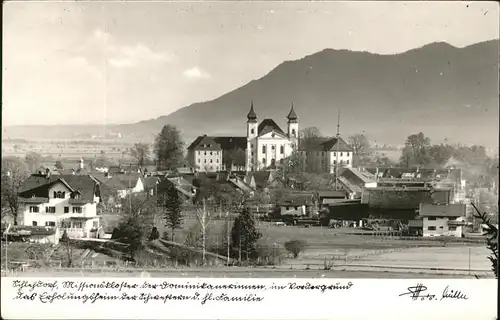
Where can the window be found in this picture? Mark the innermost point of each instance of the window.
(199, 160)
(272, 147)
(34, 209)
(431, 218)
(264, 160)
(252, 153)
(293, 132)
(263, 149)
(335, 154)
(59, 194)
(95, 224)
(205, 160)
(341, 161)
(441, 227)
(453, 228)
(347, 161)
(282, 149)
(431, 228)
(50, 223)
(209, 145)
(211, 153)
(66, 209)
(34, 223)
(199, 152)
(50, 209)
(77, 209)
(347, 153)
(204, 153)
(252, 131)
(334, 161)
(77, 224)
(211, 161)
(217, 160)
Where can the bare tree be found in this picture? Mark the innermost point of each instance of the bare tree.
(14, 173)
(360, 146)
(204, 219)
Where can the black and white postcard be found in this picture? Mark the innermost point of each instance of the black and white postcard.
(249, 159)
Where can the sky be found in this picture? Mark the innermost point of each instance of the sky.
(123, 62)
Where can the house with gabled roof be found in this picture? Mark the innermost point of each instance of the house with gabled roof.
(67, 202)
(326, 154)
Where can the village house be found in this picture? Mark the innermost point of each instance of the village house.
(67, 202)
(355, 180)
(298, 204)
(326, 154)
(442, 220)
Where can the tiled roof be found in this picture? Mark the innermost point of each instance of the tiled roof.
(204, 143)
(231, 143)
(450, 210)
(297, 200)
(261, 178)
(324, 144)
(151, 182)
(332, 194)
(122, 181)
(268, 125)
(85, 184)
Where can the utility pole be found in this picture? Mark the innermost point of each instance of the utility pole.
(337, 152)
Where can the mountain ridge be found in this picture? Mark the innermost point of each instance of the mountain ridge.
(429, 88)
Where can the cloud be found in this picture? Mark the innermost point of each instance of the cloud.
(101, 44)
(196, 73)
(136, 55)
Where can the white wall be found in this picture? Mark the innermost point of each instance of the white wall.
(442, 228)
(88, 210)
(208, 160)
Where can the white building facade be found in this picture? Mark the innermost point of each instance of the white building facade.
(57, 204)
(267, 145)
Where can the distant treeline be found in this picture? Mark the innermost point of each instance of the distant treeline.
(69, 142)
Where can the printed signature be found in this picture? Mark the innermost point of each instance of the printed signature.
(419, 292)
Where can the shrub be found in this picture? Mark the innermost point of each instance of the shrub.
(269, 255)
(295, 247)
(154, 234)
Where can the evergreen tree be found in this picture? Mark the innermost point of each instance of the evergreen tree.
(172, 209)
(244, 236)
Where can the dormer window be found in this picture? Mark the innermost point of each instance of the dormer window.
(59, 194)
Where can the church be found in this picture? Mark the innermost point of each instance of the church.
(264, 147)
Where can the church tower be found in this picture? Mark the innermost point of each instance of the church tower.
(252, 128)
(293, 126)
